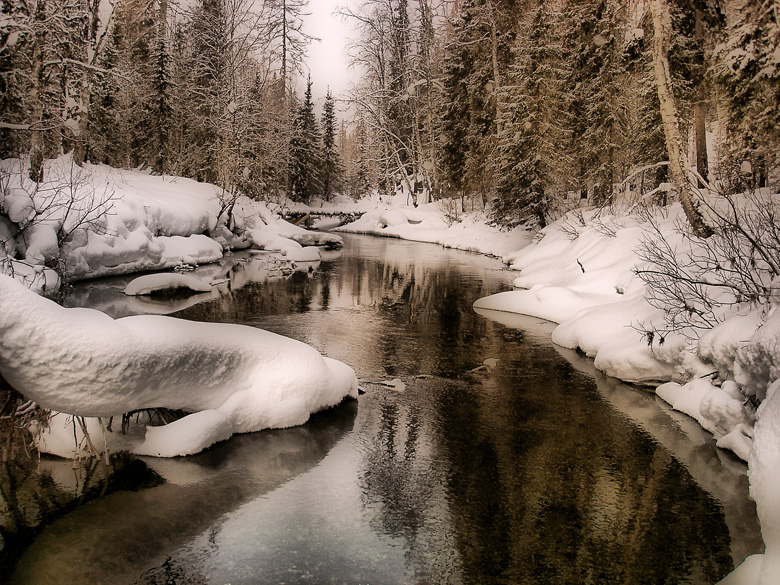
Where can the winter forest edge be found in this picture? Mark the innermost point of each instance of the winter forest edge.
(583, 127)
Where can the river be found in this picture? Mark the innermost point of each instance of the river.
(479, 453)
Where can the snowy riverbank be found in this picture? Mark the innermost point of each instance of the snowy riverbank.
(97, 221)
(444, 223)
(580, 272)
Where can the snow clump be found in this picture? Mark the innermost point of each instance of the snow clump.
(165, 282)
(232, 378)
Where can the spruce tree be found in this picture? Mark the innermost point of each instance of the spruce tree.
(359, 179)
(475, 66)
(305, 152)
(160, 106)
(532, 125)
(748, 73)
(332, 167)
(595, 116)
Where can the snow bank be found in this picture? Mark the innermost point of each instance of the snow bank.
(435, 223)
(233, 378)
(764, 473)
(101, 221)
(98, 221)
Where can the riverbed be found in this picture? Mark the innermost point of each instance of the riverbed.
(479, 452)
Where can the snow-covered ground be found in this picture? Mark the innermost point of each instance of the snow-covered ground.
(97, 221)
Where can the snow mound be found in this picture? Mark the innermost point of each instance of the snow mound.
(309, 238)
(157, 283)
(234, 378)
(764, 474)
(393, 216)
(96, 221)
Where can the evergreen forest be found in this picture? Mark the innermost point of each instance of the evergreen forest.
(523, 106)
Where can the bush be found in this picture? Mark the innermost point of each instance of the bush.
(698, 281)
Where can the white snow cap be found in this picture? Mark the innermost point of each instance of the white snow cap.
(166, 281)
(235, 378)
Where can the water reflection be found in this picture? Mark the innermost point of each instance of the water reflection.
(237, 270)
(526, 472)
(34, 492)
(120, 536)
(719, 472)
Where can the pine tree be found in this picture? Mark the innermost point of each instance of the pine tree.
(748, 73)
(359, 180)
(531, 124)
(596, 117)
(476, 62)
(305, 152)
(105, 109)
(161, 108)
(332, 167)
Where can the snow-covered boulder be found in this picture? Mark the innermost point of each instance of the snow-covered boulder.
(309, 238)
(290, 249)
(233, 378)
(166, 282)
(393, 218)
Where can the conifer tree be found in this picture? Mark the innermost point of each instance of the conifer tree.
(332, 167)
(531, 124)
(105, 135)
(161, 109)
(476, 62)
(749, 76)
(305, 152)
(596, 114)
(359, 180)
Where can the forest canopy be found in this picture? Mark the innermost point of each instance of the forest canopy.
(529, 106)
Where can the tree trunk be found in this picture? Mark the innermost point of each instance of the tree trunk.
(678, 159)
(35, 97)
(700, 107)
(700, 124)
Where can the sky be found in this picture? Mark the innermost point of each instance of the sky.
(327, 59)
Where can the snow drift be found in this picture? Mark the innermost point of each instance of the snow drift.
(233, 378)
(94, 220)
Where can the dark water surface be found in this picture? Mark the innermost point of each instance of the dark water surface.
(536, 470)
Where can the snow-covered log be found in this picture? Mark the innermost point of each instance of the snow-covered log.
(233, 378)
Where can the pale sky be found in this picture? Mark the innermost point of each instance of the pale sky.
(327, 59)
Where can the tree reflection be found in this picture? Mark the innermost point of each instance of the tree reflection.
(524, 475)
(551, 486)
(35, 492)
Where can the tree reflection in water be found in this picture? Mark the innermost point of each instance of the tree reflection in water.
(523, 473)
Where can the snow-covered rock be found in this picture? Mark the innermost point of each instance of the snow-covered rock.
(233, 378)
(157, 283)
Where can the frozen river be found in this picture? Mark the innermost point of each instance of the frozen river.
(479, 453)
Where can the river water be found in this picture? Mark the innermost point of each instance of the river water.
(479, 453)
